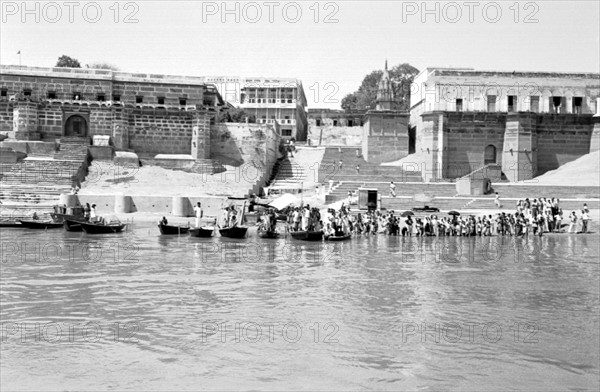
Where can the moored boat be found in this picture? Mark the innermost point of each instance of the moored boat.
(307, 235)
(343, 237)
(202, 232)
(233, 232)
(9, 223)
(72, 225)
(172, 230)
(267, 234)
(96, 228)
(40, 224)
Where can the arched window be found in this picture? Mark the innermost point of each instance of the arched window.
(76, 126)
(489, 155)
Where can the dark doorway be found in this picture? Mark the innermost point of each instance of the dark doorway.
(76, 126)
(489, 155)
(412, 139)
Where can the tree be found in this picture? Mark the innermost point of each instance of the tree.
(235, 115)
(365, 97)
(100, 65)
(67, 62)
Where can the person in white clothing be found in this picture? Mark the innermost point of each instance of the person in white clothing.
(199, 213)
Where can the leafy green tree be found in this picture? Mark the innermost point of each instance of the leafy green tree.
(67, 62)
(365, 97)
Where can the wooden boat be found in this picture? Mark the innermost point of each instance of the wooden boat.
(267, 234)
(7, 223)
(96, 228)
(60, 213)
(172, 230)
(73, 225)
(41, 224)
(343, 237)
(307, 235)
(202, 232)
(234, 232)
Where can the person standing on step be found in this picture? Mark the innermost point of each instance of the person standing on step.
(497, 201)
(392, 189)
(357, 169)
(341, 164)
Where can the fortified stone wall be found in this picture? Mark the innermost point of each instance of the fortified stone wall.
(160, 132)
(468, 135)
(385, 136)
(253, 148)
(526, 144)
(562, 139)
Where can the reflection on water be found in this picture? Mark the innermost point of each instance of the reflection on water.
(140, 311)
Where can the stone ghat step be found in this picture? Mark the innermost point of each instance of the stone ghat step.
(461, 203)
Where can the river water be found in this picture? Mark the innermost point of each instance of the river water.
(139, 311)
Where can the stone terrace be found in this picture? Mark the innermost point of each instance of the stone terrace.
(35, 184)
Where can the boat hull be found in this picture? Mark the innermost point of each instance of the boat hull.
(8, 224)
(337, 237)
(72, 225)
(307, 235)
(41, 225)
(91, 228)
(234, 232)
(173, 230)
(202, 232)
(268, 234)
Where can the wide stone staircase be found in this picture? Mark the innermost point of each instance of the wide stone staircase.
(287, 177)
(36, 183)
(351, 157)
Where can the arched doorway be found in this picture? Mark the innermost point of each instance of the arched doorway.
(489, 155)
(76, 126)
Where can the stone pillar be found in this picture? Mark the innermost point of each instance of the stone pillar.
(201, 135)
(433, 141)
(595, 141)
(120, 128)
(519, 153)
(25, 120)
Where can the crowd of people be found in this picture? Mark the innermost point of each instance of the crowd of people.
(535, 216)
(268, 220)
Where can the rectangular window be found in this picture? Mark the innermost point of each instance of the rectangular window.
(459, 105)
(491, 103)
(577, 105)
(318, 122)
(182, 101)
(116, 98)
(51, 95)
(3, 92)
(77, 97)
(512, 103)
(27, 93)
(335, 123)
(350, 123)
(534, 104)
(161, 100)
(286, 132)
(139, 99)
(101, 97)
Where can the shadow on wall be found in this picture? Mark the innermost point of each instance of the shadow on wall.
(226, 150)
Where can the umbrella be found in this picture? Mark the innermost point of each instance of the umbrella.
(456, 213)
(284, 200)
(407, 214)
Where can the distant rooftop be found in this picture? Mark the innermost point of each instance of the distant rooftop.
(447, 71)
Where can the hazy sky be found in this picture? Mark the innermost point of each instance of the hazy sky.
(292, 39)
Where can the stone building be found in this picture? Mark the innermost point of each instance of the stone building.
(270, 100)
(525, 123)
(145, 113)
